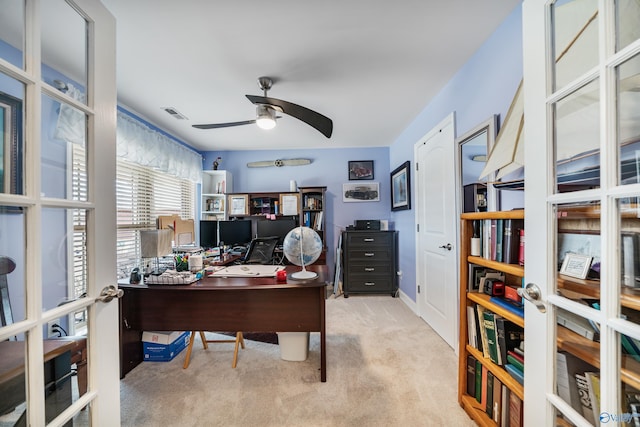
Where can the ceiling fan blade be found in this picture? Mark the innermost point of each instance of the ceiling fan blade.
(223, 125)
(316, 120)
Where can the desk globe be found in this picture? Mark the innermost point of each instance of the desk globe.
(302, 246)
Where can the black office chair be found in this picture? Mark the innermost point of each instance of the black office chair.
(261, 250)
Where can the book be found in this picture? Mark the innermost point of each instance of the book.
(515, 411)
(567, 366)
(511, 240)
(516, 356)
(508, 305)
(471, 326)
(497, 399)
(521, 248)
(493, 239)
(483, 332)
(509, 336)
(489, 401)
(471, 376)
(593, 382)
(577, 324)
(504, 414)
(499, 238)
(483, 388)
(478, 393)
(511, 359)
(585, 400)
(630, 347)
(516, 373)
(490, 331)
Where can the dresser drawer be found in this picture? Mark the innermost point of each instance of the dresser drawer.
(370, 268)
(367, 239)
(370, 254)
(370, 283)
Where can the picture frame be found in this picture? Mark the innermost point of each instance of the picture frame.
(360, 170)
(401, 187)
(238, 204)
(476, 272)
(289, 203)
(361, 192)
(576, 265)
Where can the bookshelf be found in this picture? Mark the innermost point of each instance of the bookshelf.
(312, 214)
(513, 274)
(215, 183)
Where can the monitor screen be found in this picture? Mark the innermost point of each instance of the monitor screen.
(209, 234)
(234, 232)
(278, 228)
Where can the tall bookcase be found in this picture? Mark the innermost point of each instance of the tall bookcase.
(513, 275)
(215, 183)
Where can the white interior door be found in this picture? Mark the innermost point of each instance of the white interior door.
(436, 266)
(582, 216)
(57, 215)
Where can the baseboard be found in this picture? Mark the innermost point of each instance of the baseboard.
(408, 302)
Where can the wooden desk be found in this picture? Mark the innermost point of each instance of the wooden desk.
(58, 356)
(225, 305)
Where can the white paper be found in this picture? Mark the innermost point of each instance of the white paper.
(289, 205)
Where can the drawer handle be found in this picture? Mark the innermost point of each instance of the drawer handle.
(369, 269)
(369, 254)
(369, 283)
(369, 239)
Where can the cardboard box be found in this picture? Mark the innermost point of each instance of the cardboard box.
(161, 337)
(154, 352)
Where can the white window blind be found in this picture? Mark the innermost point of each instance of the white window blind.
(143, 194)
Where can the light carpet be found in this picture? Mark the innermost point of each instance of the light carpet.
(385, 367)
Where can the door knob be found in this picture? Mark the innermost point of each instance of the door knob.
(447, 246)
(531, 293)
(110, 292)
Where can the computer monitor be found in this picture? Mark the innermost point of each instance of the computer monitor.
(234, 233)
(278, 228)
(209, 234)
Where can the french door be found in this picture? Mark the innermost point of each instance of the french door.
(582, 247)
(57, 219)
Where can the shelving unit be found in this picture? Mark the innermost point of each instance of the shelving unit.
(513, 273)
(215, 184)
(312, 214)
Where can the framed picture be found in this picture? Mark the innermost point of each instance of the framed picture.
(238, 204)
(289, 203)
(369, 192)
(401, 187)
(476, 272)
(576, 265)
(360, 169)
(10, 144)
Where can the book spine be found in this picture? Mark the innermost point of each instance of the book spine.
(490, 330)
(489, 401)
(483, 332)
(521, 246)
(515, 362)
(471, 376)
(499, 239)
(501, 336)
(478, 393)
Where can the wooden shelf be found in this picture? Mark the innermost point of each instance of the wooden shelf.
(485, 301)
(629, 297)
(472, 408)
(513, 269)
(589, 351)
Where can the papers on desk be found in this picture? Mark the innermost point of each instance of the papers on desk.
(247, 270)
(172, 277)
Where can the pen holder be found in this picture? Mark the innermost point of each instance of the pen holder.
(182, 263)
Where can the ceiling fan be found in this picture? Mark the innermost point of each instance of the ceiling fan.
(266, 112)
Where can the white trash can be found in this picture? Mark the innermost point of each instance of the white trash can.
(294, 346)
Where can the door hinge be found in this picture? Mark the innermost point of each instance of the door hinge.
(417, 228)
(417, 166)
(418, 288)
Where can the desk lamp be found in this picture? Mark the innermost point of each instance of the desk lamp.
(156, 243)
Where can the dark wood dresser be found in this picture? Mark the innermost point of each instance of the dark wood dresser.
(370, 262)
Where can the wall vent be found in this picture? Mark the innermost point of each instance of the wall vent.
(175, 113)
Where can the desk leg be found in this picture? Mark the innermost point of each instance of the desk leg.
(323, 340)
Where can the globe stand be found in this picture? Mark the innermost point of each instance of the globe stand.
(303, 274)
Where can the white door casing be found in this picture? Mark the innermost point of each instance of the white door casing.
(436, 259)
(102, 399)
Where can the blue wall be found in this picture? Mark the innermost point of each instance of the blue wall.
(484, 86)
(329, 168)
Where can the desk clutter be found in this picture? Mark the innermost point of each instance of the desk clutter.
(173, 277)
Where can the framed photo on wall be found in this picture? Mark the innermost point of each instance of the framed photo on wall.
(401, 187)
(362, 192)
(360, 169)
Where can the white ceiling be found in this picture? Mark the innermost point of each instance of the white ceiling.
(371, 66)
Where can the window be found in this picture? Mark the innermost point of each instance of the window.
(142, 194)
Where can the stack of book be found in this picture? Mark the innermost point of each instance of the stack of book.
(493, 335)
(515, 364)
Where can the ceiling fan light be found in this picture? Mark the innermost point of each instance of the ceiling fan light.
(265, 117)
